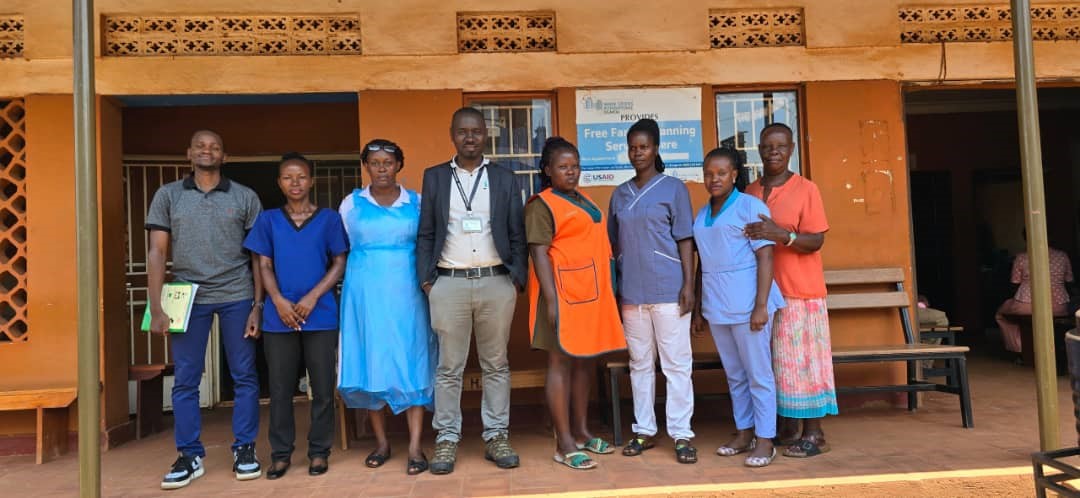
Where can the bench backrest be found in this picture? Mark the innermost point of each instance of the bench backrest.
(897, 299)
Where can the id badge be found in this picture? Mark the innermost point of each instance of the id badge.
(472, 224)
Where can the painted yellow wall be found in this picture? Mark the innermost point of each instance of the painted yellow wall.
(48, 357)
(412, 45)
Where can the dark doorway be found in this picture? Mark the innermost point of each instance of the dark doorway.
(931, 210)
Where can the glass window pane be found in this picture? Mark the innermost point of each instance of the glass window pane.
(517, 129)
(740, 117)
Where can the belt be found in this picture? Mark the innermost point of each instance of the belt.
(487, 271)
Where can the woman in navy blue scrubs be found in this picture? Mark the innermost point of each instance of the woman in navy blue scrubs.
(302, 251)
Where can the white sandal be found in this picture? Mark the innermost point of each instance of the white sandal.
(758, 462)
(726, 450)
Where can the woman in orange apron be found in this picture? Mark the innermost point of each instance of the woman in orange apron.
(572, 310)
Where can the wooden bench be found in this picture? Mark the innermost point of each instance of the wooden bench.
(51, 405)
(911, 352)
(149, 397)
(472, 380)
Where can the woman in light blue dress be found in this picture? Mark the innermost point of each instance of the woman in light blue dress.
(388, 351)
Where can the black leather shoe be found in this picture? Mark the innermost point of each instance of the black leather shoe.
(277, 470)
(318, 466)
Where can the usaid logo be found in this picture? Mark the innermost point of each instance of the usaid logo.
(599, 177)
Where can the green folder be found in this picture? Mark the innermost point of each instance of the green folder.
(176, 300)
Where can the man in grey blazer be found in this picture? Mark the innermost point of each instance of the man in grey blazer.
(471, 260)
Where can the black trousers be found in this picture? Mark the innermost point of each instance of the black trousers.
(283, 354)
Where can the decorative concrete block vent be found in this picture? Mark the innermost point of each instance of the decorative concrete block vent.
(13, 323)
(142, 36)
(745, 28)
(11, 36)
(506, 32)
(985, 23)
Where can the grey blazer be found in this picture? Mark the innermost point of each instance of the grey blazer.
(507, 221)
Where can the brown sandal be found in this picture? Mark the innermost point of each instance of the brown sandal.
(637, 445)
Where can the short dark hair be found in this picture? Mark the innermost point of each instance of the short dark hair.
(651, 128)
(296, 157)
(552, 146)
(724, 152)
(777, 126)
(466, 111)
(399, 154)
(206, 131)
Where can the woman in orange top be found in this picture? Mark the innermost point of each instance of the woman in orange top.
(802, 348)
(572, 310)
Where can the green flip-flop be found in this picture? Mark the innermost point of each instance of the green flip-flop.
(576, 460)
(598, 446)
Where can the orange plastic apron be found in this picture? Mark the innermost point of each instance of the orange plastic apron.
(587, 318)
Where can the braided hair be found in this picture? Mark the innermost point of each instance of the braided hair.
(553, 146)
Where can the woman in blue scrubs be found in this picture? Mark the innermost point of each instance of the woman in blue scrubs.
(302, 251)
(736, 302)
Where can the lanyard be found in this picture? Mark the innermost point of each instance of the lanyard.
(461, 190)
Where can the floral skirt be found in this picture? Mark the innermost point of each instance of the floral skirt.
(802, 360)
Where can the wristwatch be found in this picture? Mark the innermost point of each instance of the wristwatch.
(791, 236)
(257, 304)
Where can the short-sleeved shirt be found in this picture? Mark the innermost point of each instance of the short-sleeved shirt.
(645, 226)
(1060, 272)
(796, 206)
(728, 261)
(206, 233)
(302, 255)
(540, 230)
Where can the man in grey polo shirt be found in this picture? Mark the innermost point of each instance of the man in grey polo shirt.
(204, 217)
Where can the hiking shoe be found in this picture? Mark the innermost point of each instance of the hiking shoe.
(445, 456)
(498, 450)
(245, 464)
(183, 471)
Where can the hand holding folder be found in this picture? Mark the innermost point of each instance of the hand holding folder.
(177, 298)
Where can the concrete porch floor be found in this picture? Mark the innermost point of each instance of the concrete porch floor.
(866, 443)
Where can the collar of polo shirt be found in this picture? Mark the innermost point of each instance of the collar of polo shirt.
(223, 185)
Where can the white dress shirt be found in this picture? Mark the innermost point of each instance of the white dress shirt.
(469, 250)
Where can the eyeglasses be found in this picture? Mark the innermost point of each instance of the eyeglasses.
(377, 147)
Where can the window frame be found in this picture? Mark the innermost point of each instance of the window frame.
(801, 142)
(469, 99)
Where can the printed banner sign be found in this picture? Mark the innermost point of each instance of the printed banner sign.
(604, 116)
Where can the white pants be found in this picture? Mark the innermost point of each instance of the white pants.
(653, 328)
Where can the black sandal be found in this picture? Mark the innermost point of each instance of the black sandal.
(685, 452)
(376, 459)
(807, 447)
(637, 445)
(417, 466)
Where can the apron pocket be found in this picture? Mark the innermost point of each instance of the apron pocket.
(577, 282)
